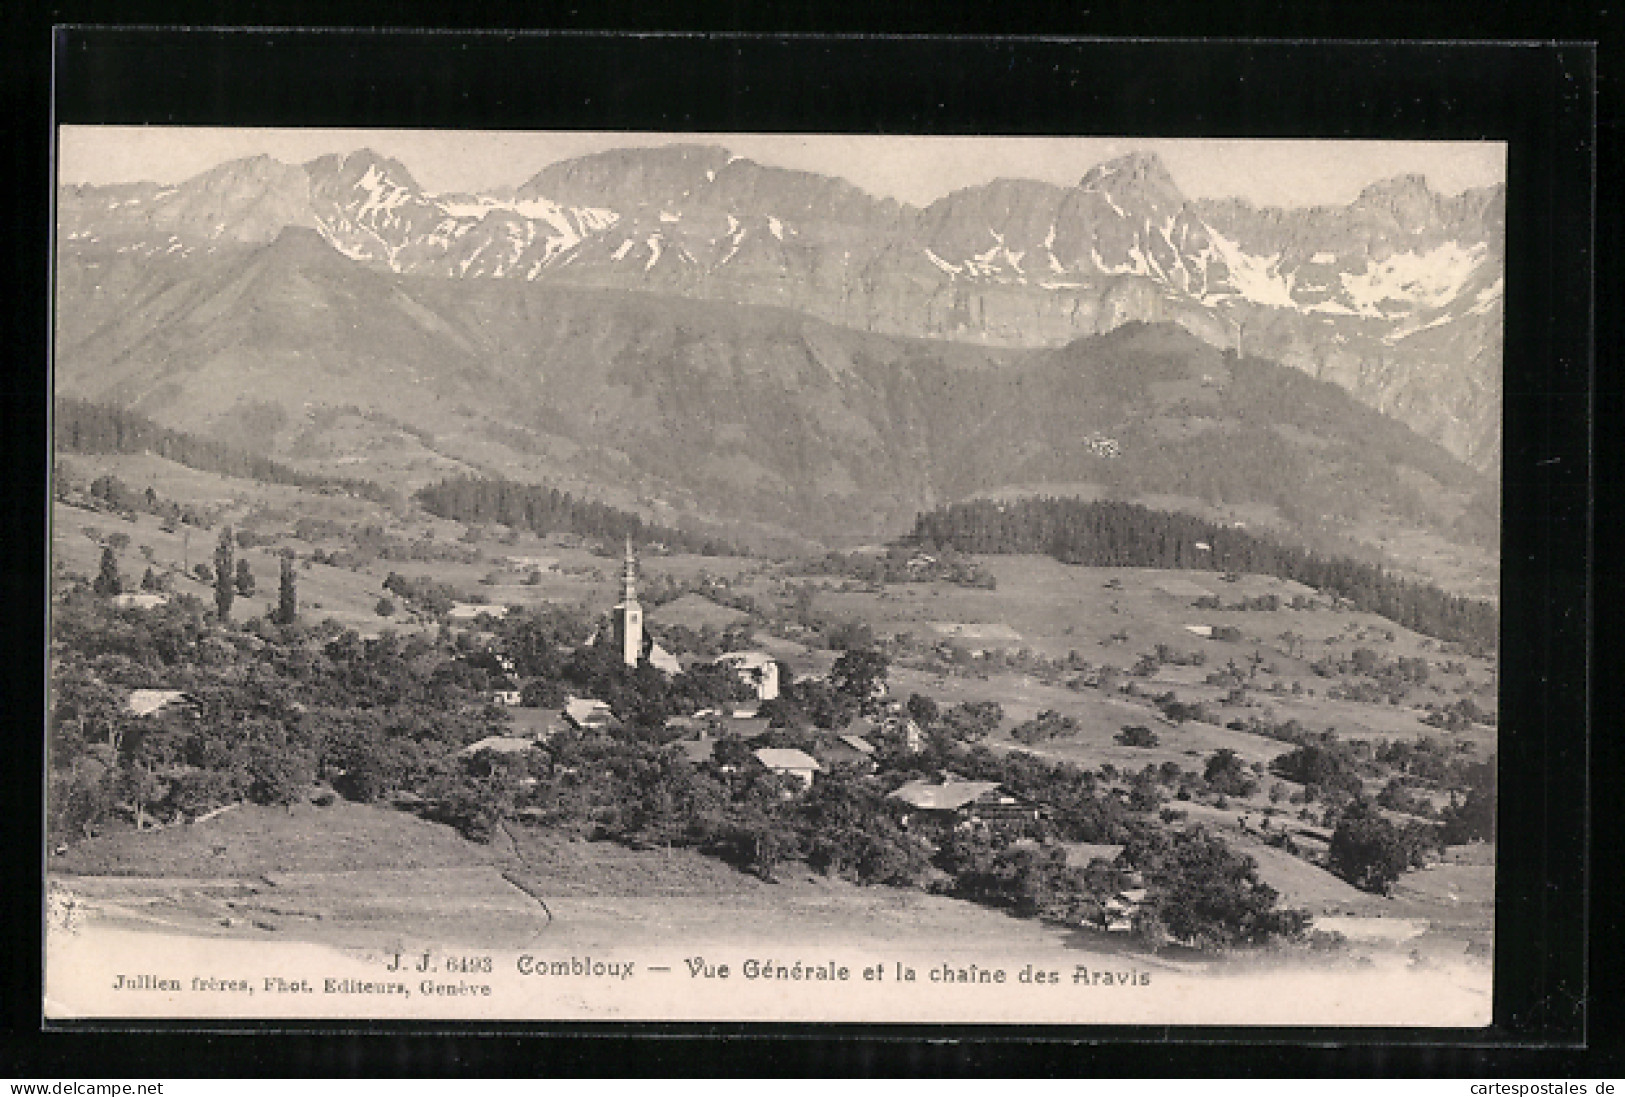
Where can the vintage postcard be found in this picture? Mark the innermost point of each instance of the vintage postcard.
(765, 577)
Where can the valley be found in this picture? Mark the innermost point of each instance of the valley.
(1098, 649)
(675, 547)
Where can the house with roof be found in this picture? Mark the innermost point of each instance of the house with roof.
(757, 669)
(1117, 913)
(966, 801)
(471, 611)
(787, 761)
(140, 601)
(587, 712)
(505, 691)
(847, 750)
(858, 743)
(145, 702)
(894, 728)
(497, 744)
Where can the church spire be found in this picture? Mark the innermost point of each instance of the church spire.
(629, 615)
(629, 577)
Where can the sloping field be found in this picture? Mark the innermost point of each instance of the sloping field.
(357, 876)
(252, 841)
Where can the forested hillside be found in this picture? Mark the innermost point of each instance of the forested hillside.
(544, 510)
(84, 426)
(1107, 534)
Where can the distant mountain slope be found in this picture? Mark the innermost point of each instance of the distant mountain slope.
(1396, 297)
(711, 410)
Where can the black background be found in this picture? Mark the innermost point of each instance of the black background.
(1538, 98)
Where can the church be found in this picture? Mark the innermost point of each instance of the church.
(627, 624)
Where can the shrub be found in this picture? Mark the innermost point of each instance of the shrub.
(1135, 735)
(1226, 774)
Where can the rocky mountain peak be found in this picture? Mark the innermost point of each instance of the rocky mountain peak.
(1406, 198)
(620, 178)
(1137, 173)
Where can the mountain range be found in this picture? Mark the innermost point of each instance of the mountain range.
(1395, 297)
(759, 422)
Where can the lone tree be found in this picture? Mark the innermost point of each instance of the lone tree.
(108, 582)
(1367, 850)
(287, 602)
(224, 590)
(245, 578)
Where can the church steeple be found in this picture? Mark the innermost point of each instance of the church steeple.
(628, 614)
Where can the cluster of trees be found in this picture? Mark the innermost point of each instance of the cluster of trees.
(544, 510)
(1111, 534)
(1371, 852)
(84, 426)
(1047, 725)
(109, 492)
(902, 564)
(1460, 715)
(429, 595)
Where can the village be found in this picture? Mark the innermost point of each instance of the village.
(894, 717)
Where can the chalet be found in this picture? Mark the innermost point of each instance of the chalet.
(140, 601)
(585, 712)
(967, 801)
(472, 611)
(663, 660)
(497, 744)
(895, 728)
(534, 563)
(505, 691)
(858, 743)
(145, 702)
(1117, 914)
(844, 750)
(1083, 854)
(757, 669)
(794, 763)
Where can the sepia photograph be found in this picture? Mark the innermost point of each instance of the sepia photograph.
(541, 575)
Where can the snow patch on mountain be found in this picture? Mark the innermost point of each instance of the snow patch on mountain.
(1419, 280)
(382, 192)
(1489, 297)
(942, 264)
(1256, 278)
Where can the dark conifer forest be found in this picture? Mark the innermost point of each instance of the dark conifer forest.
(544, 510)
